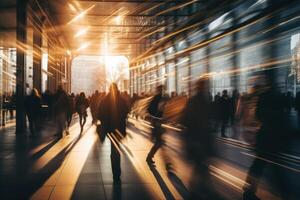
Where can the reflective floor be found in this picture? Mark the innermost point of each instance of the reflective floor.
(78, 167)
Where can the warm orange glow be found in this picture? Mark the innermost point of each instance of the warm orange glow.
(81, 14)
(81, 32)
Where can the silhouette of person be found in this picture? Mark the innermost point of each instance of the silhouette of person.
(270, 139)
(61, 109)
(155, 111)
(82, 104)
(199, 140)
(112, 114)
(225, 106)
(71, 99)
(33, 105)
(297, 106)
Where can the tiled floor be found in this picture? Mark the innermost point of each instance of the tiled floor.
(78, 167)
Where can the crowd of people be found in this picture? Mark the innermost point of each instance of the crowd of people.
(199, 116)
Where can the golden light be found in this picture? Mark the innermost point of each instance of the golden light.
(81, 32)
(83, 46)
(81, 14)
(118, 19)
(72, 7)
(69, 52)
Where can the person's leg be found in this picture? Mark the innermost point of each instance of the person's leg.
(84, 120)
(60, 124)
(252, 180)
(31, 126)
(115, 158)
(154, 149)
(223, 127)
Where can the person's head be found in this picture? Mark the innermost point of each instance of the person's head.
(202, 85)
(160, 89)
(225, 92)
(82, 95)
(35, 92)
(113, 88)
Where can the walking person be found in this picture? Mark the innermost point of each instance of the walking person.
(271, 138)
(33, 105)
(199, 141)
(61, 109)
(82, 104)
(155, 111)
(112, 114)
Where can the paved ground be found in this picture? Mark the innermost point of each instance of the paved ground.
(78, 167)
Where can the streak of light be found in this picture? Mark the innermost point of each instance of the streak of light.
(81, 14)
(72, 7)
(83, 46)
(270, 161)
(176, 7)
(81, 32)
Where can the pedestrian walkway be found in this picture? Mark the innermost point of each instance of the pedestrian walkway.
(78, 167)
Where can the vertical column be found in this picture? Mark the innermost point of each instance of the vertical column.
(37, 58)
(21, 62)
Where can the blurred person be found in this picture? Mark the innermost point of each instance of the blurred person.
(271, 138)
(12, 105)
(225, 109)
(33, 107)
(71, 99)
(112, 114)
(127, 98)
(93, 106)
(48, 100)
(62, 108)
(297, 107)
(82, 105)
(199, 140)
(155, 110)
(234, 103)
(288, 101)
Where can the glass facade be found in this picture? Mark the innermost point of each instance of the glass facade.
(232, 47)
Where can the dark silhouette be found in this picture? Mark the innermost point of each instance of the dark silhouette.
(270, 139)
(33, 110)
(112, 113)
(81, 105)
(297, 106)
(199, 140)
(155, 111)
(61, 109)
(71, 99)
(225, 109)
(234, 103)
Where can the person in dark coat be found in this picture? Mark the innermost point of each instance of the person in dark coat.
(82, 104)
(155, 111)
(225, 109)
(199, 140)
(271, 138)
(33, 105)
(62, 108)
(112, 114)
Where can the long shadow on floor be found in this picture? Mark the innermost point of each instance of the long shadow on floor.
(178, 184)
(96, 182)
(164, 188)
(28, 183)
